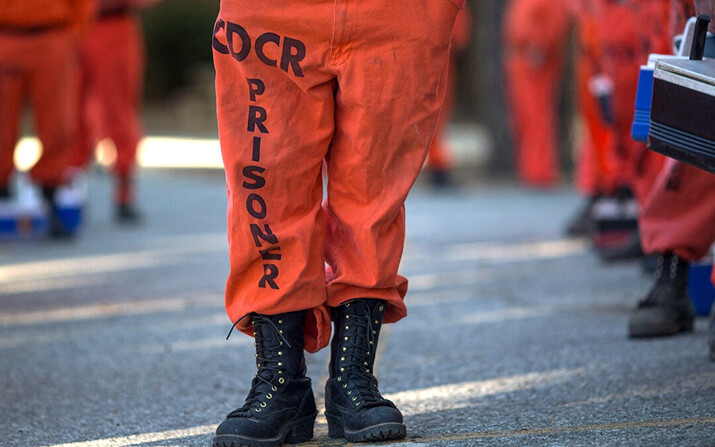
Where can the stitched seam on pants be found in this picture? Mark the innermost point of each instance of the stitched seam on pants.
(332, 34)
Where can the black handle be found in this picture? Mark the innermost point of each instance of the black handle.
(701, 32)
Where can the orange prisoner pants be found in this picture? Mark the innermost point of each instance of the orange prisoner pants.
(112, 57)
(42, 66)
(356, 86)
(679, 214)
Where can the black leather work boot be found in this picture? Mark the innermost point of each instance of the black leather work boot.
(280, 407)
(667, 308)
(354, 407)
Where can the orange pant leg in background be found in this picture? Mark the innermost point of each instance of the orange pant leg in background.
(679, 214)
(535, 34)
(356, 85)
(112, 57)
(40, 67)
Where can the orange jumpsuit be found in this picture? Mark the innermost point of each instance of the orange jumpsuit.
(626, 43)
(595, 168)
(112, 61)
(38, 43)
(535, 34)
(679, 213)
(356, 86)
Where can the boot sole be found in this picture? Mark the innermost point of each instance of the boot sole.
(648, 332)
(300, 431)
(378, 432)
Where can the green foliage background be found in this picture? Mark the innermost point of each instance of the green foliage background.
(178, 41)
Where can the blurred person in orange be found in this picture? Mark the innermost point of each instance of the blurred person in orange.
(535, 35)
(354, 88)
(614, 168)
(440, 159)
(38, 51)
(112, 59)
(594, 168)
(678, 225)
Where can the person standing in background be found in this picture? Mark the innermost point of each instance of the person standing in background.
(535, 38)
(38, 59)
(678, 225)
(112, 59)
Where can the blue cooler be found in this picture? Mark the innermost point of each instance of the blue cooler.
(21, 221)
(644, 95)
(701, 290)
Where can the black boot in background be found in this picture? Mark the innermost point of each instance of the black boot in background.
(353, 405)
(667, 308)
(280, 407)
(55, 227)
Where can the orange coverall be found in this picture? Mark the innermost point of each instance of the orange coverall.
(356, 86)
(535, 34)
(112, 59)
(626, 43)
(595, 167)
(679, 213)
(38, 43)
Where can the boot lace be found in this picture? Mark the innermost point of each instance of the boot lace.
(269, 339)
(358, 346)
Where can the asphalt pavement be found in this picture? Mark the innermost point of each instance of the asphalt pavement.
(516, 336)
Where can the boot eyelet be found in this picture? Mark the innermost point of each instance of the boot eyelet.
(381, 308)
(371, 342)
(347, 317)
(346, 338)
(263, 405)
(365, 363)
(258, 410)
(342, 359)
(280, 331)
(354, 398)
(340, 378)
(358, 404)
(281, 380)
(377, 322)
(274, 388)
(347, 304)
(345, 385)
(344, 349)
(350, 392)
(269, 396)
(342, 369)
(280, 363)
(280, 352)
(347, 328)
(280, 321)
(374, 332)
